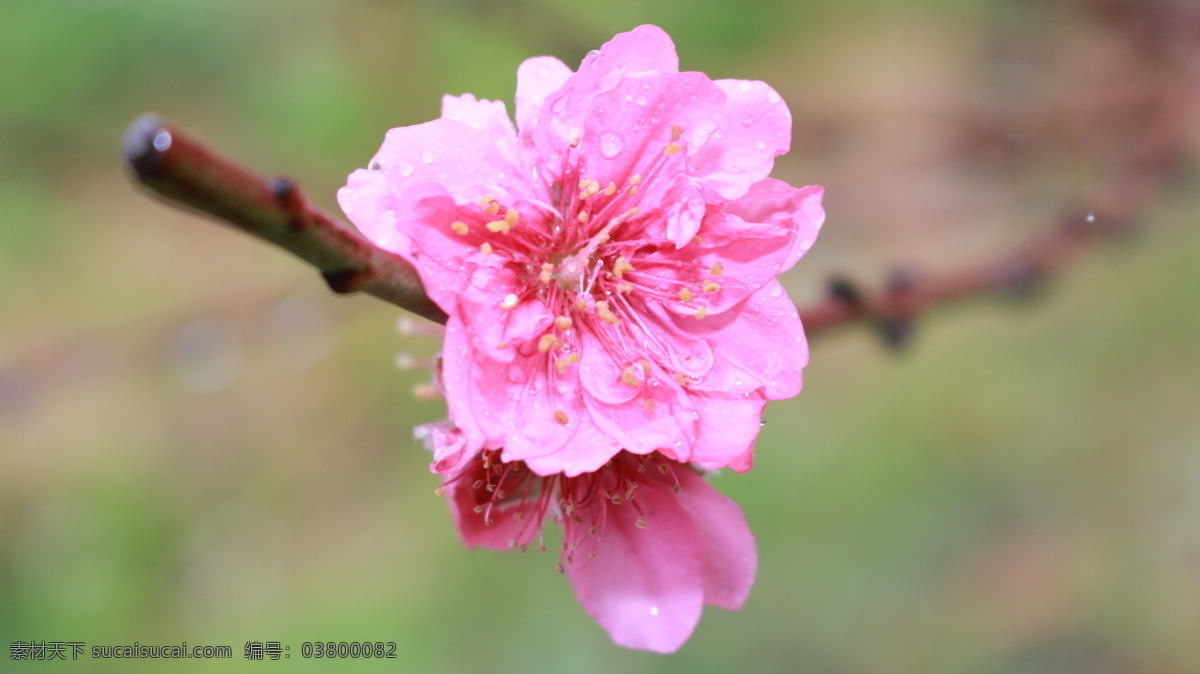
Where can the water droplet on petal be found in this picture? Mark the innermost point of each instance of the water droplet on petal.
(610, 145)
(745, 85)
(777, 291)
(516, 374)
(404, 168)
(762, 145)
(773, 97)
(427, 157)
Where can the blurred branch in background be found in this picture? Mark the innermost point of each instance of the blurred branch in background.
(1163, 34)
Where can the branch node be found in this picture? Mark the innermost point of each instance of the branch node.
(290, 199)
(346, 280)
(900, 307)
(843, 290)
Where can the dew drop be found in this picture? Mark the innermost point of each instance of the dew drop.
(773, 97)
(762, 145)
(427, 157)
(745, 85)
(162, 140)
(404, 168)
(640, 100)
(610, 145)
(777, 291)
(516, 374)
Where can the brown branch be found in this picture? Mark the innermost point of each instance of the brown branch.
(184, 171)
(1166, 32)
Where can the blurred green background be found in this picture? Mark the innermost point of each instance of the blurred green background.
(199, 443)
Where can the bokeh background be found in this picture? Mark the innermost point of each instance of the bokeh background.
(199, 443)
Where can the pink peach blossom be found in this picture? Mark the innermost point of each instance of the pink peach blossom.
(608, 265)
(647, 542)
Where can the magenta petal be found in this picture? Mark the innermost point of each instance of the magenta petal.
(728, 555)
(645, 585)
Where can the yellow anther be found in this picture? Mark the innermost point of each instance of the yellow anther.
(485, 200)
(711, 286)
(676, 132)
(632, 190)
(621, 266)
(629, 377)
(672, 148)
(717, 269)
(611, 189)
(580, 305)
(510, 301)
(588, 188)
(502, 345)
(546, 273)
(492, 209)
(563, 363)
(635, 179)
(682, 379)
(460, 228)
(548, 341)
(697, 239)
(511, 216)
(649, 405)
(485, 248)
(605, 313)
(685, 295)
(561, 417)
(562, 322)
(625, 288)
(584, 216)
(499, 226)
(701, 313)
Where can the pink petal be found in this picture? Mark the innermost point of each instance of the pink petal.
(775, 202)
(371, 205)
(729, 425)
(758, 346)
(537, 78)
(645, 49)
(645, 585)
(542, 440)
(750, 255)
(466, 161)
(728, 555)
(757, 128)
(481, 410)
(490, 117)
(671, 426)
(495, 527)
